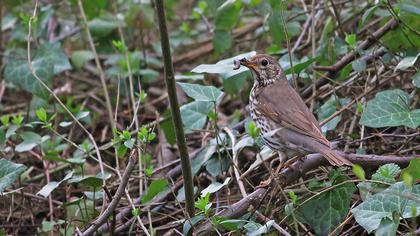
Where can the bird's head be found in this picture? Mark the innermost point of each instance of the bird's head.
(265, 69)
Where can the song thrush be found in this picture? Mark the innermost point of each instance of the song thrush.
(286, 124)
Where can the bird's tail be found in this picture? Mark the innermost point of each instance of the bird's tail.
(333, 157)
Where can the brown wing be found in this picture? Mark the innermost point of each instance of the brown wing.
(282, 104)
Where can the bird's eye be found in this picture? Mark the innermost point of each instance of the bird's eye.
(264, 62)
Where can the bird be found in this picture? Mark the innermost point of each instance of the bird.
(286, 124)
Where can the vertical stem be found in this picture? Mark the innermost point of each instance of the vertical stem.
(1, 39)
(176, 115)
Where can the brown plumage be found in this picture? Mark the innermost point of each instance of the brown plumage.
(285, 121)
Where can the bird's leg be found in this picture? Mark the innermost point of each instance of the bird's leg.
(289, 163)
(267, 182)
(283, 161)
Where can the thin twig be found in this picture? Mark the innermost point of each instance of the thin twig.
(98, 65)
(116, 199)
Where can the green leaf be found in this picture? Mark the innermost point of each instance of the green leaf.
(276, 27)
(187, 224)
(90, 181)
(30, 140)
(102, 27)
(180, 196)
(329, 108)
(394, 199)
(387, 173)
(17, 72)
(222, 41)
(216, 166)
(47, 226)
(351, 40)
(154, 189)
(225, 66)
(214, 187)
(327, 211)
(390, 108)
(413, 169)
(416, 79)
(388, 227)
(299, 67)
(194, 114)
(234, 84)
(97, 195)
(359, 65)
(54, 54)
(263, 229)
(253, 130)
(41, 114)
(201, 92)
(94, 7)
(79, 58)
(407, 62)
(227, 15)
(409, 8)
(367, 15)
(359, 172)
(168, 128)
(48, 60)
(202, 157)
(48, 188)
(232, 224)
(401, 39)
(9, 172)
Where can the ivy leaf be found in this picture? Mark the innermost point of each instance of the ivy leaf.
(48, 188)
(359, 65)
(326, 211)
(215, 165)
(53, 53)
(262, 229)
(390, 108)
(194, 114)
(214, 187)
(47, 60)
(225, 66)
(9, 172)
(407, 62)
(328, 108)
(394, 199)
(387, 173)
(416, 79)
(17, 72)
(413, 169)
(202, 157)
(201, 92)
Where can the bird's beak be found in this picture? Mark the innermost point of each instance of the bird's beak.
(248, 64)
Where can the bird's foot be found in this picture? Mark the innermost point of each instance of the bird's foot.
(265, 183)
(288, 164)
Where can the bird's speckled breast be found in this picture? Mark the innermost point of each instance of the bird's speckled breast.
(265, 125)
